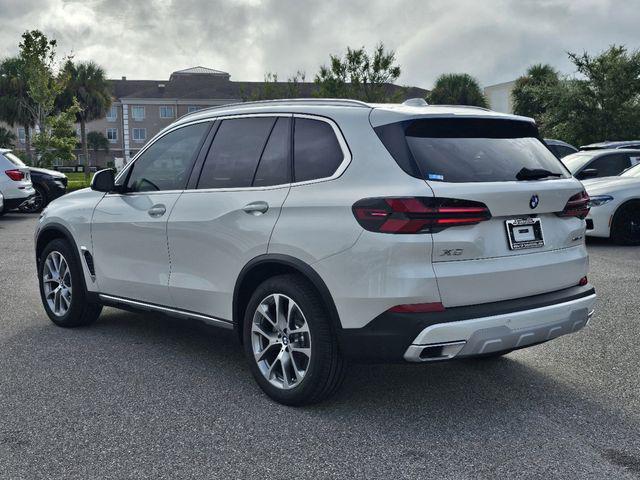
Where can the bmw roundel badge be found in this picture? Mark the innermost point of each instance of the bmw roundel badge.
(533, 203)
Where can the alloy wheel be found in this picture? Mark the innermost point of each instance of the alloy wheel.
(56, 280)
(281, 341)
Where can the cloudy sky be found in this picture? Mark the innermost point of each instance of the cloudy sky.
(495, 40)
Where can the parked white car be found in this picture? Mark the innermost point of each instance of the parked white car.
(15, 181)
(326, 230)
(615, 207)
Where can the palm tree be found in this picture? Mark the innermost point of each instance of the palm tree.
(87, 82)
(457, 89)
(14, 97)
(7, 138)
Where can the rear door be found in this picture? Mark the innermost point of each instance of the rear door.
(525, 248)
(226, 220)
(129, 229)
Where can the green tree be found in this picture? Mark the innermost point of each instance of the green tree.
(457, 89)
(272, 89)
(57, 140)
(38, 55)
(7, 138)
(359, 75)
(533, 92)
(97, 141)
(87, 83)
(602, 103)
(14, 98)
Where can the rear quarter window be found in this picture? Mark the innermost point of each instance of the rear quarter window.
(316, 150)
(467, 149)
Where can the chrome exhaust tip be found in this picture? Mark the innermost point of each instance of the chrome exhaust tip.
(434, 352)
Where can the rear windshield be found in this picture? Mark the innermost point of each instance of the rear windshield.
(467, 150)
(13, 159)
(578, 160)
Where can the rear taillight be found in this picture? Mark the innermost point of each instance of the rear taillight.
(577, 206)
(417, 214)
(15, 175)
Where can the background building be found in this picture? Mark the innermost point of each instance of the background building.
(141, 108)
(499, 96)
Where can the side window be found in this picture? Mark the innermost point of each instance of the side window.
(167, 163)
(274, 167)
(563, 151)
(316, 151)
(610, 165)
(233, 157)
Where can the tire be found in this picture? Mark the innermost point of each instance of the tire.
(71, 307)
(39, 202)
(277, 350)
(625, 227)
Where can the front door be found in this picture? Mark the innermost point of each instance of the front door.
(129, 228)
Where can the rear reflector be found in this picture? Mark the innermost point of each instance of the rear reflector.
(577, 206)
(15, 175)
(418, 308)
(583, 281)
(417, 214)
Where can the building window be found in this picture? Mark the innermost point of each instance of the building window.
(112, 114)
(192, 108)
(166, 111)
(22, 136)
(139, 134)
(137, 112)
(112, 135)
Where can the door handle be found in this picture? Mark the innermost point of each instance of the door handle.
(157, 210)
(256, 208)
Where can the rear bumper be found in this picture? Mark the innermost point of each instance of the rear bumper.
(13, 203)
(470, 330)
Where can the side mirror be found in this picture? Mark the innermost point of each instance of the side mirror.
(103, 181)
(588, 173)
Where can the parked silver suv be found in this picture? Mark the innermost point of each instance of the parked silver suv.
(327, 230)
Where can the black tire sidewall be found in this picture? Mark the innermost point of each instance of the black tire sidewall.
(320, 333)
(616, 233)
(81, 311)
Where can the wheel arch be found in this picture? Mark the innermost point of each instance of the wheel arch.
(269, 265)
(51, 232)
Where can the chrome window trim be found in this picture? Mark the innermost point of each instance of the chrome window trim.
(346, 160)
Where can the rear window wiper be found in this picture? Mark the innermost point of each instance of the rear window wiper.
(535, 174)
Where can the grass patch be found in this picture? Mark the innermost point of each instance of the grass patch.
(77, 181)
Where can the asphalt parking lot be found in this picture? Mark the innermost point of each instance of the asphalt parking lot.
(145, 396)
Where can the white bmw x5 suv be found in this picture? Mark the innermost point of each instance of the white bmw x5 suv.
(328, 230)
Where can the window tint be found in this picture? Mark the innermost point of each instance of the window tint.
(317, 153)
(167, 163)
(274, 165)
(563, 151)
(233, 157)
(610, 165)
(467, 150)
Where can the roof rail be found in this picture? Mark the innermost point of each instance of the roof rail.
(338, 102)
(472, 107)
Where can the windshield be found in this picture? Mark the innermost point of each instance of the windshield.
(632, 172)
(578, 160)
(13, 159)
(469, 149)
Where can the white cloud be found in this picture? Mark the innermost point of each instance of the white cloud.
(494, 40)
